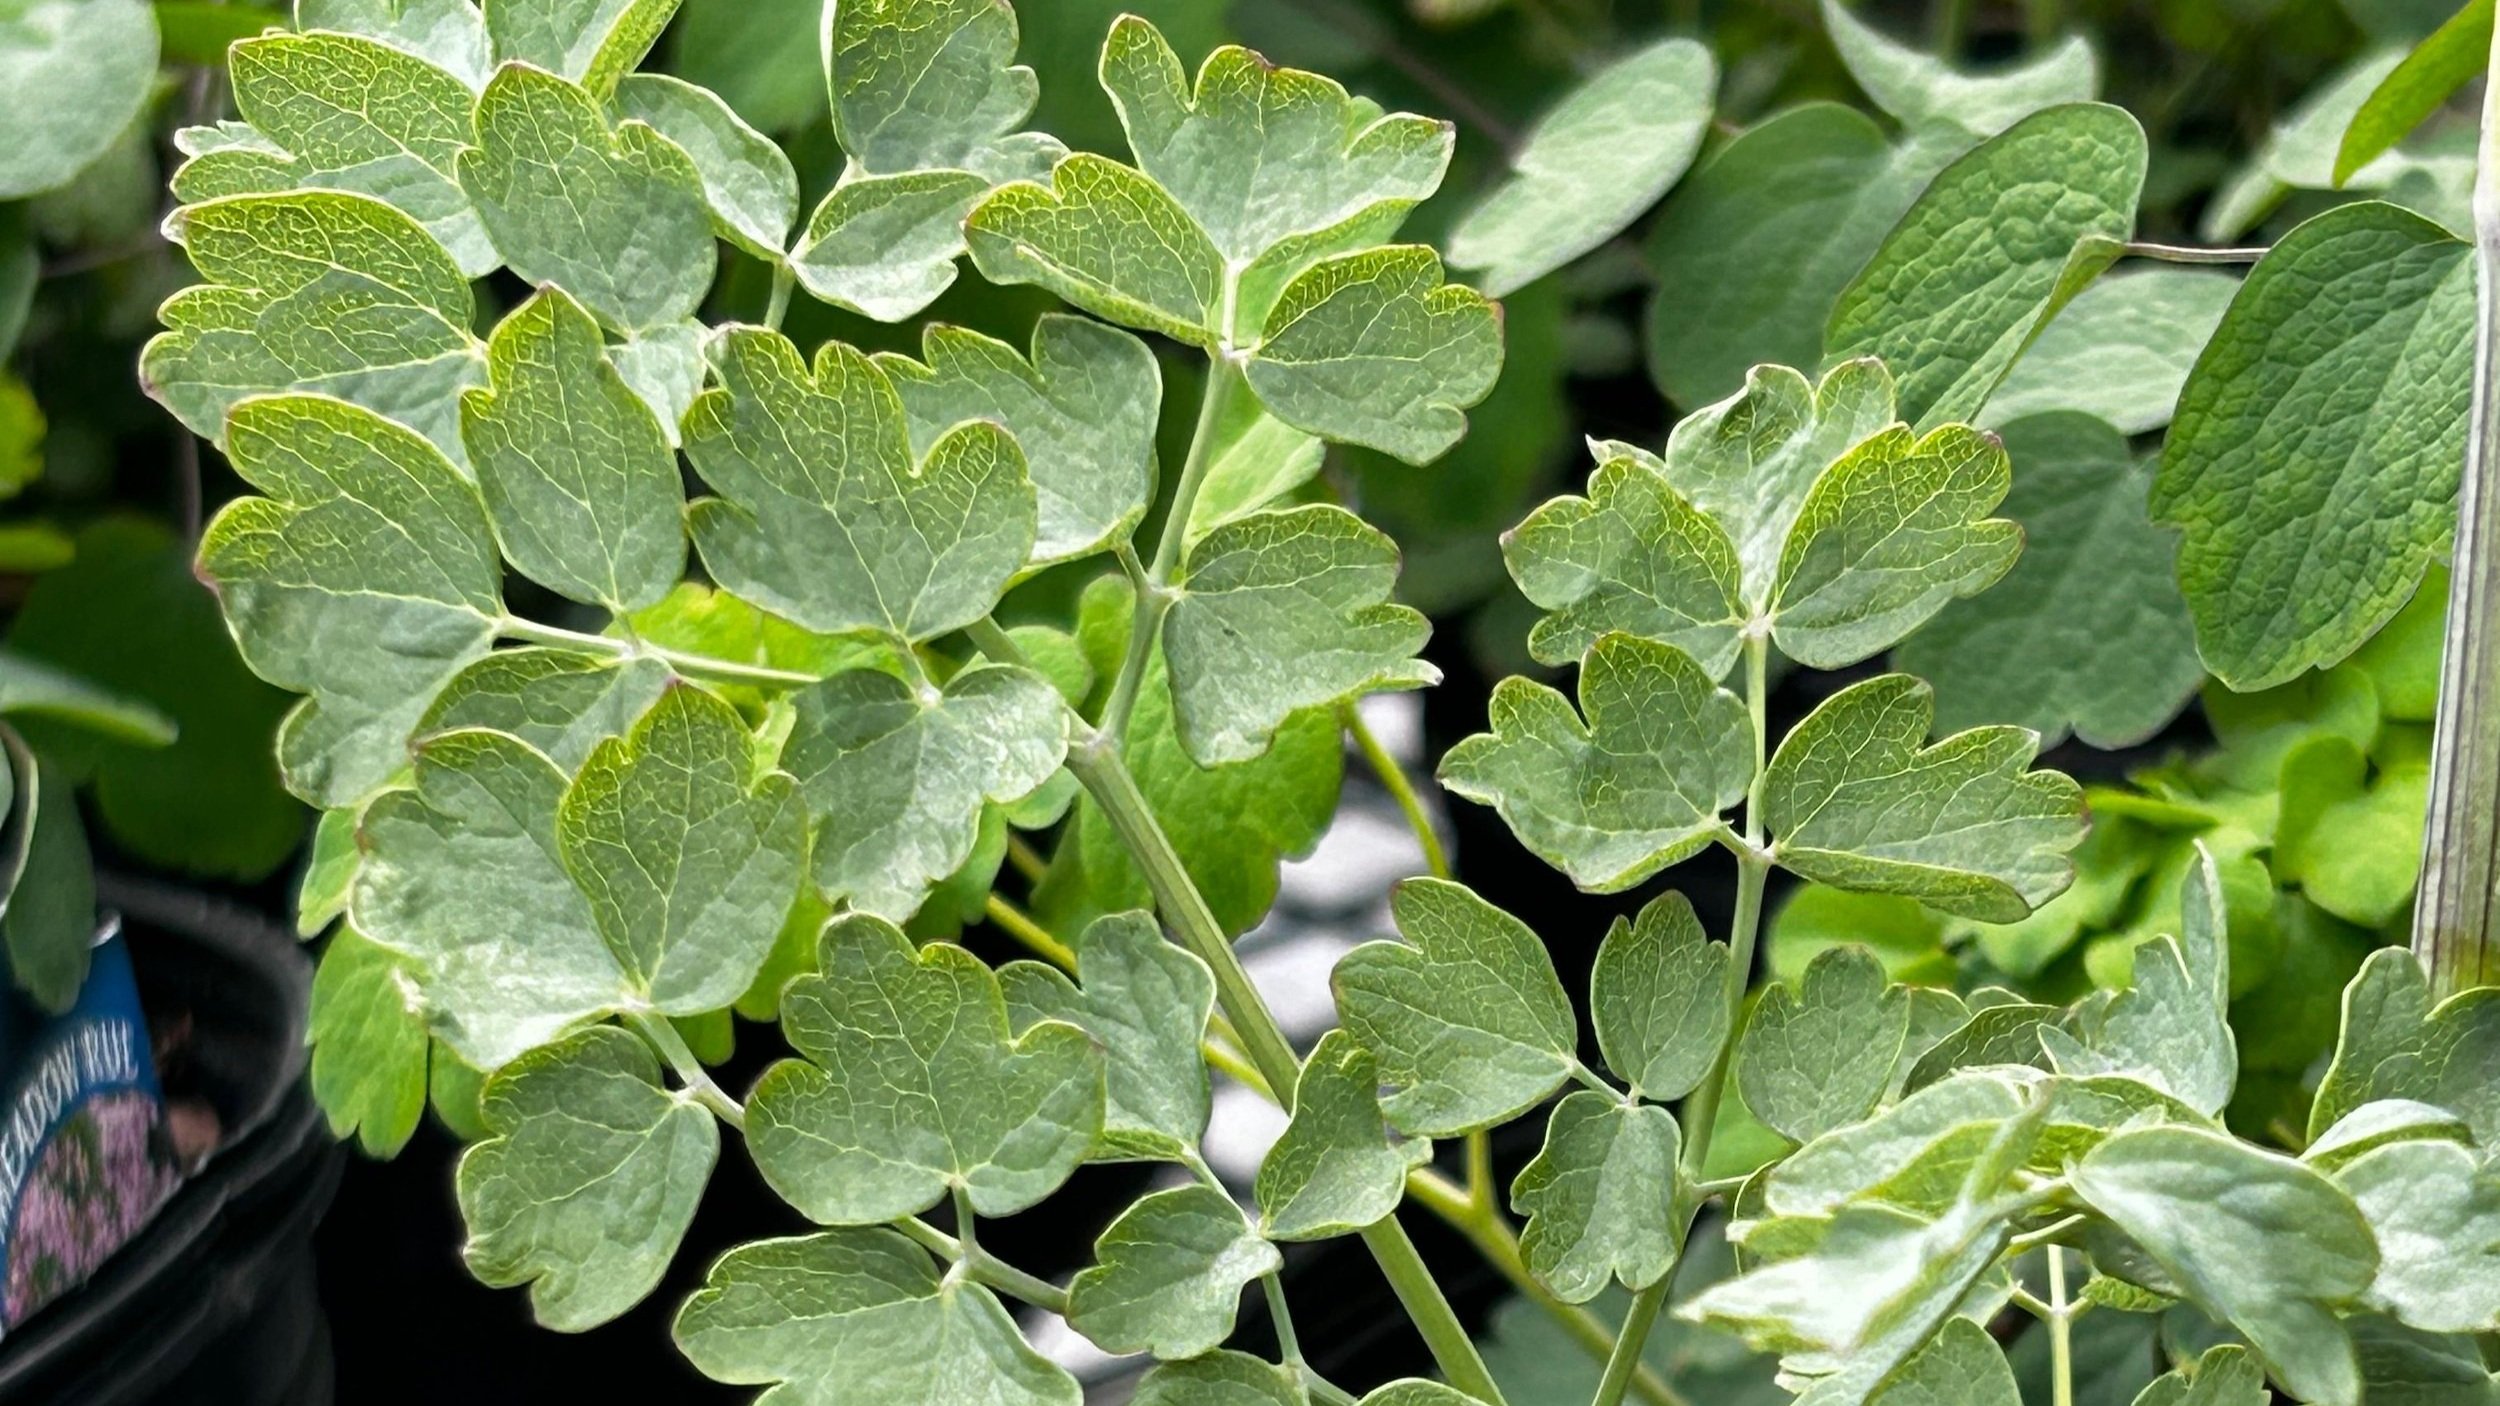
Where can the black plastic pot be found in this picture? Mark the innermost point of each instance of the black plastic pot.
(214, 1303)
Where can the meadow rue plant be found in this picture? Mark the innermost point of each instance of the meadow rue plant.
(579, 808)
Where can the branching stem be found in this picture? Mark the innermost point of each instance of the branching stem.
(1154, 594)
(1401, 788)
(513, 627)
(689, 1070)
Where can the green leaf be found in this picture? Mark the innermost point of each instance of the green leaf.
(2453, 55)
(2376, 1125)
(1146, 1002)
(128, 615)
(835, 1316)
(918, 86)
(34, 690)
(664, 365)
(1219, 1379)
(366, 578)
(1750, 462)
(1906, 936)
(2396, 1044)
(885, 246)
(1888, 536)
(455, 1092)
(1820, 1055)
(615, 215)
(2435, 1213)
(825, 518)
(1990, 253)
(1083, 410)
(2300, 152)
(1632, 556)
(1414, 1391)
(1753, 249)
(1592, 166)
(1109, 240)
(314, 291)
(2169, 1029)
(1601, 1197)
(1256, 459)
(704, 620)
(1230, 824)
(589, 1180)
(2224, 1376)
(351, 114)
(47, 902)
(329, 872)
(2264, 1243)
(591, 42)
(578, 477)
(1338, 1167)
(1658, 997)
(1912, 1155)
(1282, 611)
(1856, 802)
(1168, 1275)
(1268, 161)
(2314, 460)
(910, 1085)
(73, 75)
(688, 859)
(2400, 1364)
(1962, 1366)
(367, 1029)
(750, 185)
(1374, 349)
(1466, 1017)
(896, 774)
(559, 702)
(2087, 632)
(1921, 90)
(450, 34)
(1635, 789)
(2120, 351)
(2352, 843)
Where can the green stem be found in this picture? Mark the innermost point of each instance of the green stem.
(2186, 254)
(2454, 929)
(1626, 1359)
(690, 1072)
(2061, 1333)
(1421, 1294)
(1013, 921)
(1154, 595)
(1401, 789)
(993, 640)
(512, 627)
(778, 305)
(1481, 1195)
(985, 1268)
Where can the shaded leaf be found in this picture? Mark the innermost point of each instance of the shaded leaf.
(367, 1030)
(2120, 351)
(749, 184)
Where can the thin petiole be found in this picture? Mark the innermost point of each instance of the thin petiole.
(513, 627)
(2188, 254)
(1013, 921)
(985, 1268)
(1154, 591)
(690, 1072)
(1401, 789)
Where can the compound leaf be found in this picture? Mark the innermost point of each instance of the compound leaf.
(1632, 556)
(1168, 1275)
(689, 860)
(1338, 1167)
(2087, 632)
(616, 215)
(367, 578)
(1889, 535)
(1281, 611)
(1372, 348)
(578, 477)
(2262, 1242)
(589, 1180)
(1592, 166)
(1146, 1002)
(1636, 788)
(1854, 801)
(1601, 1197)
(910, 1084)
(1466, 1017)
(1108, 239)
(824, 517)
(1818, 1056)
(1990, 252)
(2315, 455)
(835, 1316)
(1658, 997)
(896, 774)
(314, 291)
(1082, 408)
